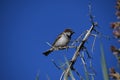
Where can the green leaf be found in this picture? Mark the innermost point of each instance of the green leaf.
(103, 64)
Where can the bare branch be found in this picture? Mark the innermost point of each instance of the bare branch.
(85, 68)
(49, 44)
(79, 48)
(70, 72)
(55, 64)
(93, 41)
(62, 75)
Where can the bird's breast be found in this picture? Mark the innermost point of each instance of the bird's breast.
(63, 41)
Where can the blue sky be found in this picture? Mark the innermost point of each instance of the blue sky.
(26, 26)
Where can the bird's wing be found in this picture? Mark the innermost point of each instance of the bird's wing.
(57, 39)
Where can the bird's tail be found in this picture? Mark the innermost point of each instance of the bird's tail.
(46, 53)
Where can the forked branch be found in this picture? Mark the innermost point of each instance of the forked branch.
(79, 48)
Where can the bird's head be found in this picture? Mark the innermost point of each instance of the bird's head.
(68, 32)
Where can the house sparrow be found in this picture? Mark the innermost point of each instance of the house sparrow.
(62, 40)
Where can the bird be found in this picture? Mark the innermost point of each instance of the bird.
(62, 40)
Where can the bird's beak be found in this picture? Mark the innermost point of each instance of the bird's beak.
(73, 32)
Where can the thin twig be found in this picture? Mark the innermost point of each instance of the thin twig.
(55, 64)
(94, 73)
(78, 39)
(70, 72)
(85, 49)
(61, 77)
(93, 42)
(82, 59)
(77, 73)
(85, 67)
(49, 44)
